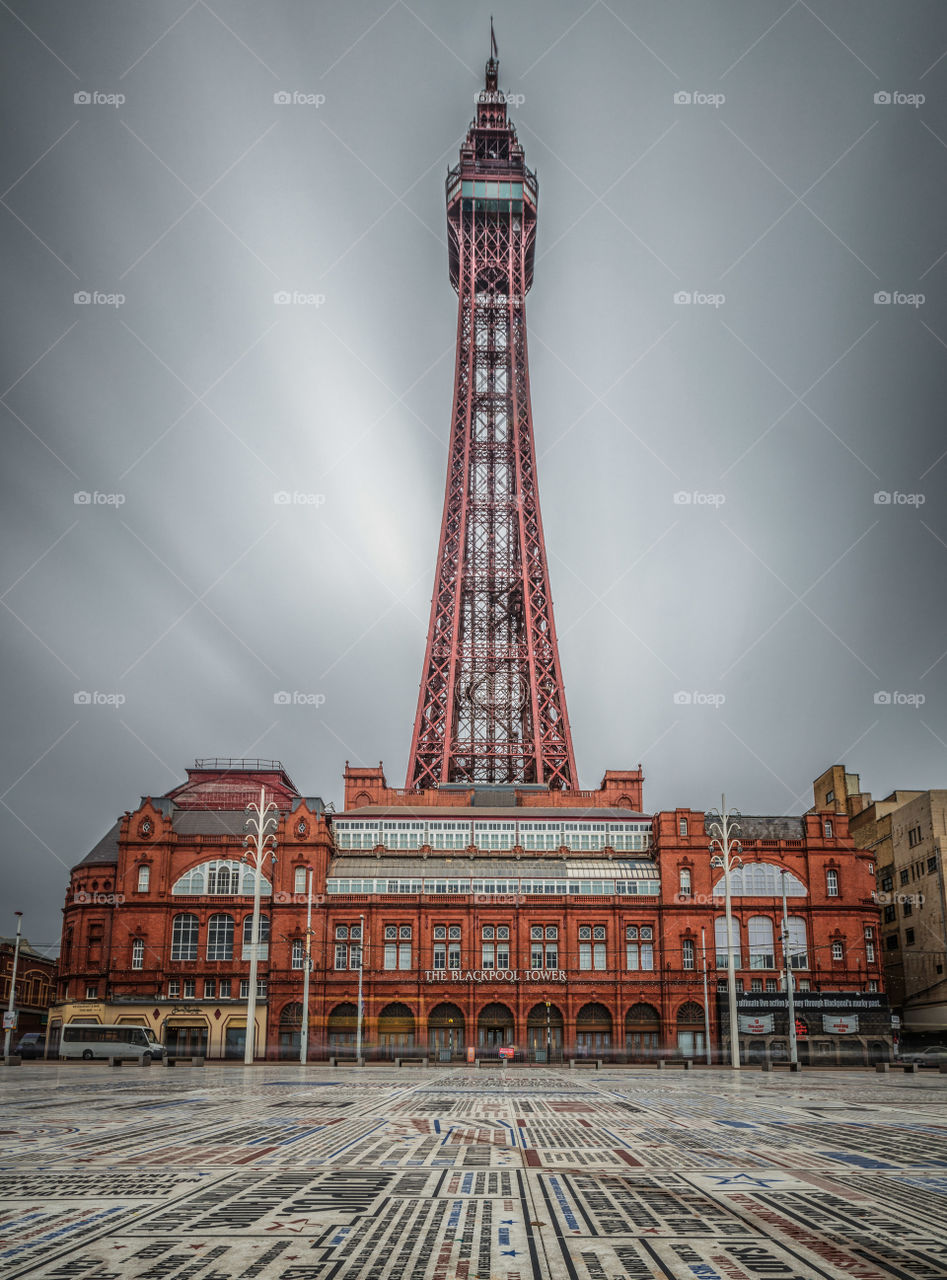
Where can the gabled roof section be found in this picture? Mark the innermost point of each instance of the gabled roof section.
(105, 853)
(226, 783)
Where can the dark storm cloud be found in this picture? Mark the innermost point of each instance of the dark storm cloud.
(229, 324)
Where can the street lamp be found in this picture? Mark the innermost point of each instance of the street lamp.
(790, 981)
(721, 830)
(16, 957)
(450, 1038)
(361, 953)
(260, 843)
(307, 969)
(548, 1035)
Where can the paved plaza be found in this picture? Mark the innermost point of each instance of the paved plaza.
(228, 1173)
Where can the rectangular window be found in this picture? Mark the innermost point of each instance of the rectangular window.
(932, 863)
(687, 953)
(299, 953)
(771, 984)
(831, 883)
(914, 838)
(585, 955)
(341, 955)
(391, 955)
(440, 955)
(805, 984)
(684, 880)
(838, 951)
(92, 993)
(869, 951)
(244, 988)
(909, 937)
(144, 879)
(261, 989)
(138, 953)
(299, 880)
(487, 956)
(887, 883)
(225, 988)
(174, 988)
(404, 955)
(210, 988)
(536, 956)
(890, 914)
(904, 876)
(599, 955)
(872, 984)
(756, 984)
(453, 955)
(189, 989)
(355, 955)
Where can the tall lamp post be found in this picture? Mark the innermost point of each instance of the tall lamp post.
(790, 980)
(548, 1036)
(703, 953)
(260, 843)
(721, 831)
(307, 970)
(10, 1003)
(361, 953)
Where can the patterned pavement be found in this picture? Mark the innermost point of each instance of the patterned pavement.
(280, 1173)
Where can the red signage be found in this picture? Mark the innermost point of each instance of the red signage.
(507, 1051)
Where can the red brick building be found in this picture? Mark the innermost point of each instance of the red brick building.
(481, 917)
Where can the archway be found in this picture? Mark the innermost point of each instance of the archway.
(445, 1031)
(494, 1028)
(691, 1042)
(341, 1027)
(544, 1032)
(395, 1030)
(290, 1031)
(593, 1031)
(642, 1032)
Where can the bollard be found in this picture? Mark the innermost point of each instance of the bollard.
(795, 1066)
(660, 1064)
(881, 1068)
(766, 1066)
(687, 1064)
(115, 1062)
(910, 1068)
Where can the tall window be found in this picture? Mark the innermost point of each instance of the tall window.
(398, 946)
(798, 947)
(495, 946)
(685, 880)
(869, 944)
(248, 936)
(220, 937)
(682, 826)
(687, 953)
(762, 949)
(838, 951)
(831, 883)
(592, 949)
(827, 829)
(223, 877)
(299, 880)
(639, 947)
(348, 946)
(720, 942)
(184, 931)
(544, 946)
(138, 953)
(299, 953)
(144, 879)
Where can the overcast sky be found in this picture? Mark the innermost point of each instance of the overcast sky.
(736, 641)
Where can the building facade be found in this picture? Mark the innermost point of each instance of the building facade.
(546, 922)
(35, 985)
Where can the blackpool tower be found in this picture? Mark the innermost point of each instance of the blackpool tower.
(492, 707)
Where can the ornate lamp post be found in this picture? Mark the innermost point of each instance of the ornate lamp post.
(361, 953)
(260, 843)
(307, 971)
(721, 831)
(790, 980)
(548, 1035)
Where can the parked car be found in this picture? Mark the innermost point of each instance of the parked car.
(31, 1045)
(934, 1055)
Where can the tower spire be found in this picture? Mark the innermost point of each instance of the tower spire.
(491, 707)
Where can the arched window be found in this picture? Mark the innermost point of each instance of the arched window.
(831, 883)
(760, 880)
(220, 937)
(685, 880)
(144, 878)
(720, 941)
(797, 946)
(221, 877)
(184, 931)
(762, 948)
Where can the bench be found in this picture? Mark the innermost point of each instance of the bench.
(410, 1062)
(12, 1060)
(172, 1059)
(594, 1063)
(910, 1068)
(686, 1063)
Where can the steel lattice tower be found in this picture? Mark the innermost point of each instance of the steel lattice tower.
(492, 706)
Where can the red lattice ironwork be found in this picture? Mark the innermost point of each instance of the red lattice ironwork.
(492, 706)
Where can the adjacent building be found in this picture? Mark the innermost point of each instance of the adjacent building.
(35, 985)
